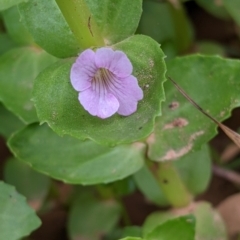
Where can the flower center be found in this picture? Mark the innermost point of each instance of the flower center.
(102, 80)
(102, 74)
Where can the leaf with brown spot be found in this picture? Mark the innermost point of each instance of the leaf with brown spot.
(229, 132)
(214, 85)
(178, 122)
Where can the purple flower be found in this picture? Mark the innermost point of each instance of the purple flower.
(105, 84)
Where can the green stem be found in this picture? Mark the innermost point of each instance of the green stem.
(81, 22)
(172, 185)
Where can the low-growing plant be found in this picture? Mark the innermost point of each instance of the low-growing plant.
(86, 100)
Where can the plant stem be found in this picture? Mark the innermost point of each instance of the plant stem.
(81, 22)
(172, 185)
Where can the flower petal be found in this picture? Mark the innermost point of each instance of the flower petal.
(104, 57)
(115, 61)
(121, 65)
(83, 70)
(101, 106)
(128, 94)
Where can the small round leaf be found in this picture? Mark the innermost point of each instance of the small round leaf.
(17, 219)
(57, 102)
(74, 161)
(18, 68)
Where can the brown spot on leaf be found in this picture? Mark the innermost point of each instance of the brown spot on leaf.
(151, 139)
(138, 145)
(174, 154)
(178, 122)
(222, 113)
(165, 181)
(173, 105)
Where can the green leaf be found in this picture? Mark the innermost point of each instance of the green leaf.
(91, 219)
(116, 233)
(154, 220)
(182, 128)
(210, 48)
(15, 28)
(45, 22)
(232, 7)
(216, 8)
(209, 224)
(9, 123)
(17, 219)
(5, 4)
(33, 185)
(65, 115)
(115, 23)
(174, 229)
(157, 14)
(135, 231)
(18, 68)
(166, 24)
(195, 170)
(75, 161)
(149, 186)
(121, 188)
(131, 238)
(6, 43)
